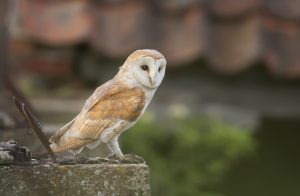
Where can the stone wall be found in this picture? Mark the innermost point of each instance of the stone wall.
(82, 179)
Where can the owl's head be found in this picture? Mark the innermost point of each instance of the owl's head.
(146, 67)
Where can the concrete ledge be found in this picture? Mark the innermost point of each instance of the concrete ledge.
(83, 179)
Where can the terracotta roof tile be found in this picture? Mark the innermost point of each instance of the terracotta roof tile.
(50, 63)
(120, 29)
(231, 34)
(284, 8)
(234, 46)
(55, 22)
(282, 46)
(176, 5)
(232, 7)
(182, 37)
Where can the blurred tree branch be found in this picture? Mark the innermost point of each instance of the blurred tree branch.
(4, 4)
(5, 81)
(35, 124)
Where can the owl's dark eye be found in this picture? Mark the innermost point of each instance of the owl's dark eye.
(159, 69)
(145, 67)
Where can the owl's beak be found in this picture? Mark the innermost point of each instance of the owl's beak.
(152, 77)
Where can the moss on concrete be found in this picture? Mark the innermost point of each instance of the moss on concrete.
(82, 179)
(6, 158)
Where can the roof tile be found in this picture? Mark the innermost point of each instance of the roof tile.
(228, 32)
(176, 5)
(121, 28)
(182, 38)
(282, 47)
(232, 7)
(284, 8)
(234, 46)
(56, 22)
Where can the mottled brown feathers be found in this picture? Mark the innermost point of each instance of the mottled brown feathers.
(109, 104)
(120, 103)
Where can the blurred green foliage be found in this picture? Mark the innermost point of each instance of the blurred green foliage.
(187, 156)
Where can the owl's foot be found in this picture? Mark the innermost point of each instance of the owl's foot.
(114, 157)
(128, 158)
(132, 159)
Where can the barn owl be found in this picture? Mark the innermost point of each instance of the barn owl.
(115, 106)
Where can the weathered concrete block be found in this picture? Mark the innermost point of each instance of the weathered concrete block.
(82, 179)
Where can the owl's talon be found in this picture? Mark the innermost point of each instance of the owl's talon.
(132, 159)
(114, 156)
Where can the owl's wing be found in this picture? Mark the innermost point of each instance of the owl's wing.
(104, 110)
(97, 94)
(61, 131)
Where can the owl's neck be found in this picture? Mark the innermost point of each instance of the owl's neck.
(127, 79)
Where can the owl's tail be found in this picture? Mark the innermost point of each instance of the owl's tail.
(73, 145)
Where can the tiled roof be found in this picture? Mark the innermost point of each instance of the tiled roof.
(230, 34)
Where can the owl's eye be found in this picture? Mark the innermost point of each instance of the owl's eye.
(159, 69)
(145, 67)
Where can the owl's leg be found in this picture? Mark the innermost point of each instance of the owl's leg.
(76, 151)
(94, 144)
(114, 146)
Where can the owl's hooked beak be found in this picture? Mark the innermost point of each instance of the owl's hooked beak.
(152, 77)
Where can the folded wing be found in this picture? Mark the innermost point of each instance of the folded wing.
(109, 104)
